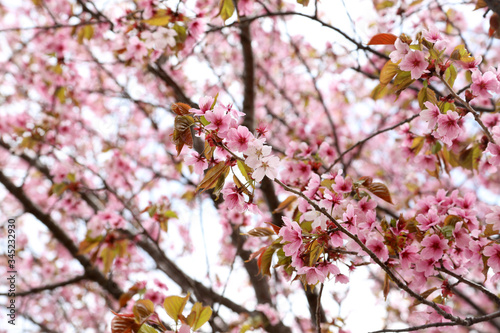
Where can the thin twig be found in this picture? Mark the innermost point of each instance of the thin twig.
(470, 109)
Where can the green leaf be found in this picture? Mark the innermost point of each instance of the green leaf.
(212, 177)
(379, 92)
(226, 9)
(174, 305)
(199, 315)
(265, 259)
(245, 170)
(158, 20)
(204, 316)
(145, 328)
(426, 95)
(436, 147)
(60, 93)
(450, 74)
(388, 71)
(107, 256)
(214, 102)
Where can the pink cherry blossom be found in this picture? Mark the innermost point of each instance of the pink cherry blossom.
(199, 162)
(482, 84)
(238, 139)
(233, 197)
(378, 248)
(448, 127)
(219, 120)
(494, 218)
(342, 185)
(204, 103)
(434, 247)
(430, 114)
(408, 256)
(402, 49)
(313, 274)
(256, 152)
(493, 252)
(494, 150)
(414, 62)
(428, 220)
(292, 234)
(268, 167)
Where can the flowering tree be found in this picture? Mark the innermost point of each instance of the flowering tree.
(303, 141)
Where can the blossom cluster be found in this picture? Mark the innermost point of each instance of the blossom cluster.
(227, 141)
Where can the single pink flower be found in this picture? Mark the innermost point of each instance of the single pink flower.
(238, 139)
(425, 266)
(268, 167)
(448, 127)
(313, 274)
(494, 218)
(342, 185)
(292, 234)
(401, 51)
(493, 252)
(434, 247)
(415, 63)
(219, 120)
(199, 162)
(378, 248)
(233, 197)
(204, 103)
(428, 220)
(408, 256)
(483, 83)
(430, 114)
(494, 150)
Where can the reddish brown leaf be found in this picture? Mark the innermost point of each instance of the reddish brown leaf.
(381, 191)
(180, 109)
(212, 176)
(366, 180)
(285, 204)
(182, 132)
(494, 26)
(261, 232)
(275, 227)
(123, 324)
(480, 4)
(265, 259)
(387, 286)
(256, 253)
(383, 39)
(143, 309)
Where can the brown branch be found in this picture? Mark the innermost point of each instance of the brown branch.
(48, 287)
(91, 272)
(53, 27)
(494, 5)
(472, 284)
(248, 77)
(470, 109)
(469, 321)
(291, 13)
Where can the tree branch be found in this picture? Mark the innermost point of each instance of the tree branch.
(49, 286)
(91, 272)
